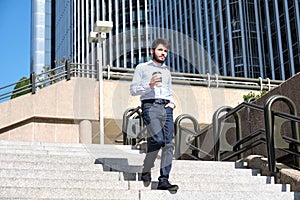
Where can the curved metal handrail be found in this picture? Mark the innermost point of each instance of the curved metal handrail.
(126, 116)
(177, 131)
(269, 125)
(216, 129)
(237, 147)
(272, 130)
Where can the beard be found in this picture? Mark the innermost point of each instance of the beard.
(155, 57)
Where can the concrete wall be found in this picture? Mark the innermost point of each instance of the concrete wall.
(53, 114)
(68, 111)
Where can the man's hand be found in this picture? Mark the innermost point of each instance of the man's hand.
(171, 105)
(153, 81)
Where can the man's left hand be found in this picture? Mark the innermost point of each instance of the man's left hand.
(171, 105)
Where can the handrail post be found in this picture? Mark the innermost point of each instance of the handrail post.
(208, 80)
(97, 69)
(68, 69)
(32, 81)
(217, 80)
(269, 84)
(261, 83)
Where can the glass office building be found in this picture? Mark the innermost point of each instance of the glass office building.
(239, 38)
(244, 38)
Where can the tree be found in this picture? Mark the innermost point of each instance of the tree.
(21, 88)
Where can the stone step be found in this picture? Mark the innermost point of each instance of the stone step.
(4, 144)
(175, 177)
(81, 193)
(128, 169)
(138, 185)
(60, 174)
(62, 183)
(205, 195)
(57, 144)
(63, 193)
(103, 149)
(44, 152)
(183, 170)
(215, 178)
(36, 165)
(184, 179)
(216, 186)
(60, 170)
(8, 157)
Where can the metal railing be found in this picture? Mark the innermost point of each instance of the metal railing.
(133, 129)
(68, 70)
(38, 81)
(207, 80)
(181, 133)
(220, 142)
(273, 123)
(269, 134)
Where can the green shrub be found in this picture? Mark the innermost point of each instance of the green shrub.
(251, 95)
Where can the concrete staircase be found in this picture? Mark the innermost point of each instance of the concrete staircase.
(68, 171)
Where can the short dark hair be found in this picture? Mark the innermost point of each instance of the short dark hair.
(159, 41)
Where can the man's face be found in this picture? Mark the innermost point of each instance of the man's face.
(160, 53)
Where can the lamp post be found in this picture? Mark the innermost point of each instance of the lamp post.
(98, 35)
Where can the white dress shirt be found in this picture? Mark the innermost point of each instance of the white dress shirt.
(141, 79)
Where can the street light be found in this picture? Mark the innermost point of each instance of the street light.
(98, 35)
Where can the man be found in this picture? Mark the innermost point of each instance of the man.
(152, 81)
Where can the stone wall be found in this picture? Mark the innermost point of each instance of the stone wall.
(68, 111)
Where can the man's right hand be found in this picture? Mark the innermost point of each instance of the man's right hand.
(153, 81)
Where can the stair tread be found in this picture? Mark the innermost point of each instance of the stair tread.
(17, 192)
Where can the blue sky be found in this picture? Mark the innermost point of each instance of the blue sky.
(15, 22)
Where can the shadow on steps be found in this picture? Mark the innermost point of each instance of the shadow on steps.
(130, 172)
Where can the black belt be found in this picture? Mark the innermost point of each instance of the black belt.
(156, 101)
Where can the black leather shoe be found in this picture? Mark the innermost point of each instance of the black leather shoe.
(146, 178)
(165, 185)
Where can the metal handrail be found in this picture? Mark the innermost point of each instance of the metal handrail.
(237, 148)
(217, 131)
(128, 114)
(272, 137)
(49, 77)
(215, 125)
(178, 133)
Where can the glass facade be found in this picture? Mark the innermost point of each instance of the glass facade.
(282, 37)
(62, 29)
(239, 38)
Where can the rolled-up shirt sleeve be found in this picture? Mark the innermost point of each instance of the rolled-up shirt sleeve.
(139, 86)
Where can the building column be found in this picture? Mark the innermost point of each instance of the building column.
(85, 132)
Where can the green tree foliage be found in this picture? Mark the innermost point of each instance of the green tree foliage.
(21, 88)
(252, 95)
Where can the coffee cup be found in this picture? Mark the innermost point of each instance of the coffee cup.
(159, 82)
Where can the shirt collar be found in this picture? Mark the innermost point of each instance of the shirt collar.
(150, 62)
